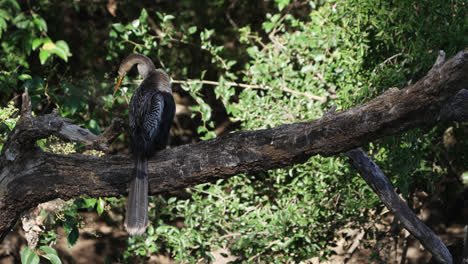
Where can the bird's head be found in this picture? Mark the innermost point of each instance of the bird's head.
(144, 64)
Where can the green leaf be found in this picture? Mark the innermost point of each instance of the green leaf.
(13, 3)
(275, 17)
(63, 45)
(51, 254)
(282, 4)
(143, 15)
(72, 232)
(160, 15)
(268, 26)
(100, 206)
(206, 34)
(41, 143)
(10, 123)
(465, 177)
(3, 25)
(192, 30)
(5, 14)
(21, 21)
(201, 129)
(40, 23)
(54, 259)
(252, 51)
(90, 202)
(44, 55)
(37, 42)
(209, 135)
(150, 230)
(119, 27)
(136, 23)
(171, 200)
(48, 250)
(307, 68)
(29, 256)
(24, 76)
(61, 53)
(168, 17)
(112, 34)
(94, 126)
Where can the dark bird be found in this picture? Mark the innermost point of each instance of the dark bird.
(152, 109)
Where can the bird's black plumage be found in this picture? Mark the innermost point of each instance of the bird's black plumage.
(151, 114)
(152, 110)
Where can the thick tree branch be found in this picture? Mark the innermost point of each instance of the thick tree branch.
(29, 176)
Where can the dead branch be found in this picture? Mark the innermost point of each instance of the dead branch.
(376, 179)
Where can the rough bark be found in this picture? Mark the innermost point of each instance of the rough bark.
(29, 176)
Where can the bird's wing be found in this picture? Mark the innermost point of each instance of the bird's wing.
(154, 107)
(132, 119)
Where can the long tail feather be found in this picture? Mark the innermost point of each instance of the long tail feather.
(136, 218)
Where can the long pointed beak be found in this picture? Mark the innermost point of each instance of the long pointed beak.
(118, 84)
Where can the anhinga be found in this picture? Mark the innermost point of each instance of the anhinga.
(152, 109)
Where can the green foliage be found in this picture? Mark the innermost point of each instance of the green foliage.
(263, 72)
(48, 238)
(55, 145)
(8, 118)
(7, 115)
(60, 48)
(23, 31)
(29, 256)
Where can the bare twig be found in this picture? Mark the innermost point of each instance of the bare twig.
(228, 14)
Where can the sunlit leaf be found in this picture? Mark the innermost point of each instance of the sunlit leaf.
(64, 46)
(90, 202)
(48, 46)
(36, 43)
(44, 55)
(24, 76)
(29, 256)
(4, 14)
(51, 254)
(192, 30)
(100, 206)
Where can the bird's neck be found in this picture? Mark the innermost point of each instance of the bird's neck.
(164, 82)
(144, 64)
(158, 80)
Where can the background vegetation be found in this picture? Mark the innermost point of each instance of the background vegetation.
(240, 65)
